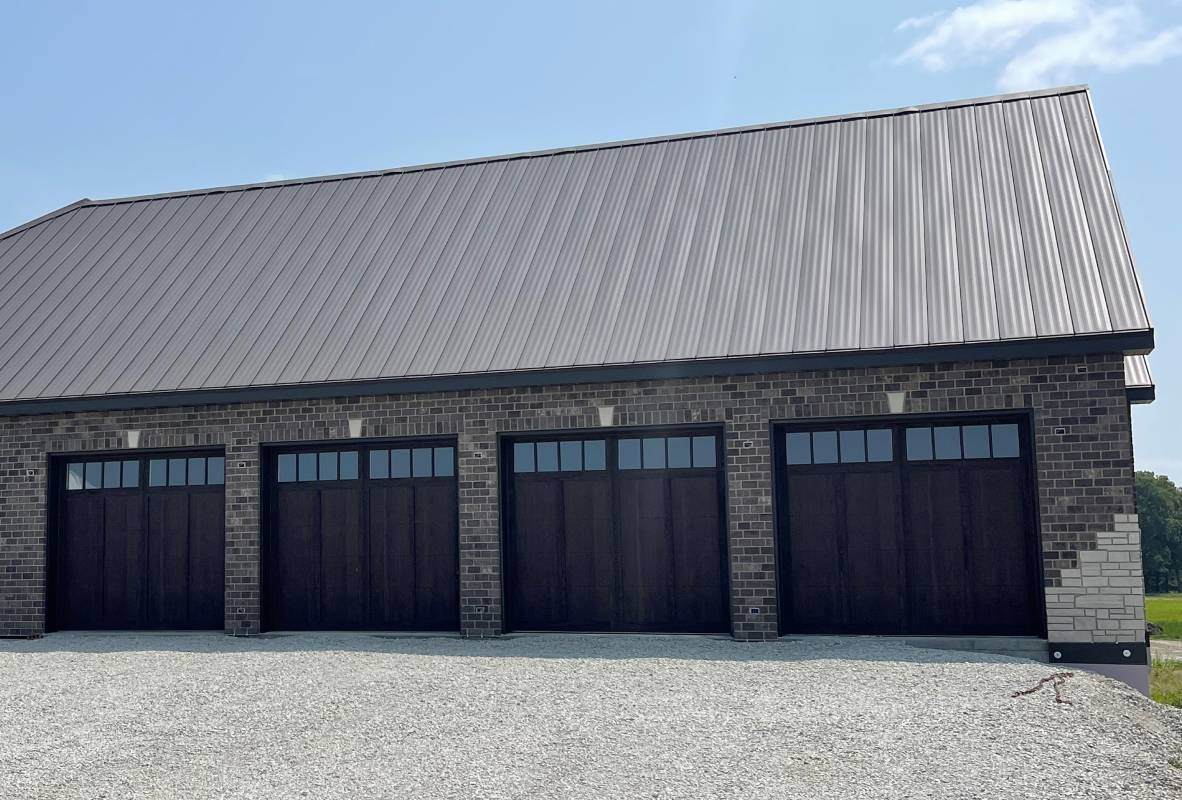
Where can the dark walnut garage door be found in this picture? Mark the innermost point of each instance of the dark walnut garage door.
(139, 542)
(362, 538)
(915, 528)
(616, 533)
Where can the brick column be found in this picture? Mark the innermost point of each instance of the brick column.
(243, 535)
(481, 609)
(751, 536)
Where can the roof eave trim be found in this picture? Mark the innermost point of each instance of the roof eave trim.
(1128, 343)
(1141, 395)
(24, 226)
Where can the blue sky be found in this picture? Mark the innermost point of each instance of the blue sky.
(119, 98)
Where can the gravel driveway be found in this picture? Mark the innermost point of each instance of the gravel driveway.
(360, 716)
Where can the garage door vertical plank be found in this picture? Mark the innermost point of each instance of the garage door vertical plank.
(207, 564)
(698, 578)
(436, 597)
(124, 594)
(589, 554)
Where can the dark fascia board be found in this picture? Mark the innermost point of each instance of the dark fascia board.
(1098, 652)
(1128, 343)
(1141, 395)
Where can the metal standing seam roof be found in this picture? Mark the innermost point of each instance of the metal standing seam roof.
(976, 222)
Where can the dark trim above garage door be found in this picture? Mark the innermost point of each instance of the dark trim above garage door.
(626, 530)
(920, 525)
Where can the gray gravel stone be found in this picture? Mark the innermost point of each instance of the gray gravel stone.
(366, 716)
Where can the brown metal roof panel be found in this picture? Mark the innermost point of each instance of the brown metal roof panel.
(1089, 312)
(1011, 281)
(1052, 312)
(685, 324)
(978, 302)
(129, 364)
(810, 309)
(330, 277)
(671, 201)
(908, 258)
(762, 233)
(845, 285)
(718, 312)
(134, 318)
(944, 311)
(63, 304)
(1121, 290)
(876, 311)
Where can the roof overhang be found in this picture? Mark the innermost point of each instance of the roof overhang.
(1128, 343)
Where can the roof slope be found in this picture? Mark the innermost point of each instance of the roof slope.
(983, 221)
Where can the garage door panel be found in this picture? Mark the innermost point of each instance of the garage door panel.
(392, 555)
(587, 529)
(436, 553)
(872, 575)
(539, 590)
(168, 563)
(646, 552)
(908, 527)
(698, 577)
(344, 580)
(296, 560)
(207, 559)
(124, 553)
(80, 605)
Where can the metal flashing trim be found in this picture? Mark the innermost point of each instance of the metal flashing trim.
(1098, 653)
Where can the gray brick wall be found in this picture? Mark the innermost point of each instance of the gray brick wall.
(1082, 435)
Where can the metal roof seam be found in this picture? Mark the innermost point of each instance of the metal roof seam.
(986, 241)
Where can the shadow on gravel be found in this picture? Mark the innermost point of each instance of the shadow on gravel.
(539, 646)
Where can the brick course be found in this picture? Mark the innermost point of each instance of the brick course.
(1091, 554)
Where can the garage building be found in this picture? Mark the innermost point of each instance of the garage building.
(867, 374)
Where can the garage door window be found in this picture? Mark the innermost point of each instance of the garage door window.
(962, 442)
(568, 456)
(325, 466)
(94, 475)
(667, 452)
(186, 471)
(412, 462)
(856, 446)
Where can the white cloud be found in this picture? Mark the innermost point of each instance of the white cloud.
(1040, 41)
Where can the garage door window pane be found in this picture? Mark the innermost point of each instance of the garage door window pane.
(421, 462)
(679, 452)
(196, 471)
(176, 471)
(799, 450)
(328, 466)
(629, 450)
(94, 475)
(976, 441)
(1005, 441)
(878, 445)
(349, 465)
(547, 454)
(919, 444)
(445, 462)
(571, 456)
(111, 475)
(705, 452)
(379, 464)
(947, 442)
(853, 447)
(307, 462)
(287, 468)
(74, 477)
(523, 457)
(654, 453)
(399, 463)
(158, 472)
(131, 474)
(216, 472)
(825, 447)
(595, 455)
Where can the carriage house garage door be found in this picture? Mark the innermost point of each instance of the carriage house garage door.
(922, 527)
(138, 542)
(361, 537)
(620, 532)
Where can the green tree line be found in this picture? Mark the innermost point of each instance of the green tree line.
(1159, 506)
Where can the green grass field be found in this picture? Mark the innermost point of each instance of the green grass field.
(1165, 682)
(1165, 610)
